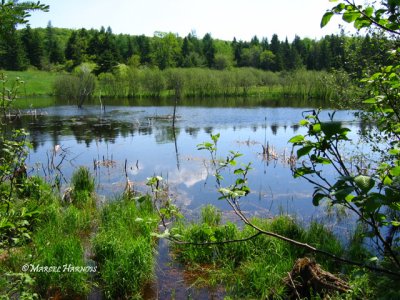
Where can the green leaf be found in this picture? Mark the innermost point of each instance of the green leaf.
(369, 11)
(297, 139)
(395, 171)
(304, 122)
(238, 172)
(395, 223)
(316, 128)
(350, 16)
(225, 191)
(304, 151)
(364, 183)
(240, 181)
(303, 171)
(349, 198)
(370, 101)
(317, 198)
(331, 128)
(326, 18)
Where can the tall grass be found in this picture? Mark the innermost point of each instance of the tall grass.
(259, 264)
(200, 82)
(124, 247)
(83, 187)
(58, 242)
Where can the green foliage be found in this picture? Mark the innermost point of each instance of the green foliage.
(65, 252)
(83, 186)
(210, 215)
(369, 197)
(372, 194)
(78, 87)
(22, 286)
(13, 13)
(257, 273)
(132, 82)
(124, 248)
(47, 249)
(16, 217)
(8, 95)
(383, 14)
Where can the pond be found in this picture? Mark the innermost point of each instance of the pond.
(135, 138)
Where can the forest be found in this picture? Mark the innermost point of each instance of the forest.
(53, 48)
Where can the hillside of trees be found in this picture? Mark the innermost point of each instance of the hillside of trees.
(56, 48)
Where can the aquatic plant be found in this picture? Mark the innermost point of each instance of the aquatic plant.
(124, 248)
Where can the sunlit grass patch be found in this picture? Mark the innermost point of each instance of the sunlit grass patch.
(248, 269)
(124, 247)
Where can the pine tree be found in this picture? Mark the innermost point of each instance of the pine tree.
(209, 50)
(33, 45)
(275, 47)
(54, 53)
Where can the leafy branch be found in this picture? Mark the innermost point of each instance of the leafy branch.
(233, 194)
(385, 17)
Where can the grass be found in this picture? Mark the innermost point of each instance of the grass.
(114, 242)
(55, 239)
(35, 83)
(124, 247)
(82, 187)
(194, 82)
(259, 264)
(118, 237)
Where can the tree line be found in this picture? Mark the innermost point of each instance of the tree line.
(50, 47)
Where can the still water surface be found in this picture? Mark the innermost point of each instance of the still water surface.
(142, 136)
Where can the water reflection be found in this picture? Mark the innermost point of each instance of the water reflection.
(143, 136)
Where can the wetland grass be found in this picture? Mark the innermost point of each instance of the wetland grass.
(124, 247)
(259, 264)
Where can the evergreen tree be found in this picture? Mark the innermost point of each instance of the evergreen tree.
(107, 56)
(254, 41)
(237, 51)
(264, 44)
(12, 54)
(301, 49)
(143, 43)
(12, 13)
(209, 50)
(275, 47)
(33, 45)
(77, 47)
(55, 54)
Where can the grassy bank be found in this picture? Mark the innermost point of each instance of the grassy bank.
(192, 82)
(261, 265)
(112, 248)
(35, 83)
(64, 248)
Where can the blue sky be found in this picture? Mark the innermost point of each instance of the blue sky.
(224, 19)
